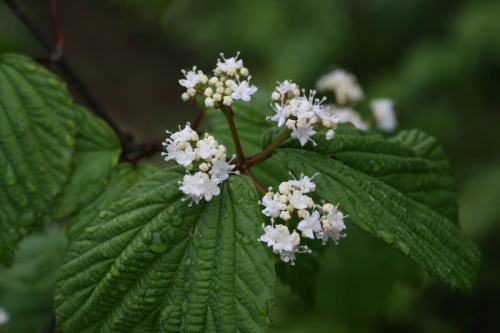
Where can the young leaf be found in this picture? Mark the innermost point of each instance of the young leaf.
(425, 236)
(97, 151)
(122, 178)
(37, 138)
(150, 263)
(412, 162)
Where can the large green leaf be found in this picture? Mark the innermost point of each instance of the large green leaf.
(122, 178)
(37, 138)
(425, 236)
(412, 162)
(150, 263)
(97, 151)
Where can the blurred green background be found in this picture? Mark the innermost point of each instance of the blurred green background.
(438, 59)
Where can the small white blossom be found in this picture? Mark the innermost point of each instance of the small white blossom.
(206, 148)
(193, 186)
(4, 317)
(282, 114)
(183, 135)
(310, 224)
(303, 132)
(242, 90)
(304, 184)
(285, 188)
(228, 100)
(221, 168)
(273, 206)
(231, 63)
(305, 108)
(209, 102)
(348, 115)
(285, 87)
(285, 241)
(344, 85)
(186, 156)
(270, 236)
(290, 124)
(333, 225)
(384, 113)
(210, 188)
(297, 200)
(191, 80)
(329, 134)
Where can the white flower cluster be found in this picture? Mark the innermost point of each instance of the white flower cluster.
(224, 87)
(302, 113)
(347, 93)
(214, 167)
(326, 222)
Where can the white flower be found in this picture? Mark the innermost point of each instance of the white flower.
(273, 205)
(326, 114)
(221, 168)
(227, 101)
(231, 63)
(297, 200)
(333, 225)
(270, 236)
(4, 317)
(209, 102)
(303, 132)
(305, 185)
(285, 241)
(384, 113)
(310, 223)
(193, 186)
(343, 83)
(329, 134)
(210, 188)
(192, 79)
(282, 114)
(182, 135)
(285, 188)
(186, 156)
(206, 148)
(242, 90)
(285, 87)
(171, 153)
(305, 108)
(348, 115)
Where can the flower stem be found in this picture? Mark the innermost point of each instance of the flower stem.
(268, 151)
(256, 183)
(239, 152)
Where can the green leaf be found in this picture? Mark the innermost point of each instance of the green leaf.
(159, 6)
(97, 151)
(37, 138)
(151, 263)
(412, 162)
(122, 178)
(425, 236)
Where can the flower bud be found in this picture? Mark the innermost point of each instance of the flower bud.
(220, 90)
(326, 224)
(304, 234)
(203, 79)
(217, 97)
(302, 121)
(222, 148)
(231, 72)
(296, 91)
(194, 137)
(204, 167)
(334, 126)
(185, 97)
(189, 167)
(285, 215)
(283, 199)
(197, 157)
(209, 102)
(208, 92)
(295, 238)
(228, 91)
(310, 203)
(327, 123)
(290, 208)
(191, 92)
(313, 119)
(219, 154)
(290, 124)
(222, 79)
(243, 71)
(213, 81)
(182, 144)
(229, 83)
(204, 175)
(301, 212)
(276, 96)
(219, 84)
(327, 208)
(294, 101)
(218, 71)
(227, 101)
(330, 134)
(285, 188)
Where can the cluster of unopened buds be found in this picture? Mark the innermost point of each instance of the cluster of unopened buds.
(348, 93)
(323, 221)
(211, 157)
(224, 87)
(302, 113)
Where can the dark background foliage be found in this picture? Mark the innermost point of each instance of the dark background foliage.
(438, 59)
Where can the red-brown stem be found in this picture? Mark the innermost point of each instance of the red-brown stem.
(198, 120)
(256, 183)
(239, 152)
(268, 151)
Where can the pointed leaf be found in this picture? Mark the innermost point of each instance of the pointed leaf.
(425, 236)
(97, 151)
(150, 263)
(37, 137)
(122, 178)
